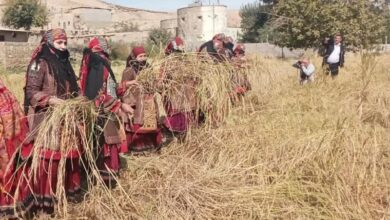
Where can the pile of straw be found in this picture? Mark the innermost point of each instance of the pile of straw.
(208, 83)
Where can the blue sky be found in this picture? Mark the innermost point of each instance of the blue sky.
(172, 5)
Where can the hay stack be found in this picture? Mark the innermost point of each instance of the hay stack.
(195, 84)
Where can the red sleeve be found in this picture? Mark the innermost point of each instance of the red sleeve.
(84, 73)
(121, 89)
(108, 103)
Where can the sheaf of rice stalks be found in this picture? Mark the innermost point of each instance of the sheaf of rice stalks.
(71, 126)
(209, 84)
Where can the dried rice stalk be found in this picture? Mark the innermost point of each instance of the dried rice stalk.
(71, 126)
(194, 83)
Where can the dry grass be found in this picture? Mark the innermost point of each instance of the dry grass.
(320, 151)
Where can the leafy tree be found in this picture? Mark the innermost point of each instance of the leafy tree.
(387, 26)
(25, 14)
(304, 23)
(157, 40)
(120, 50)
(254, 17)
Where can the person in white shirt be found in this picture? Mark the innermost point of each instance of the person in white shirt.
(307, 70)
(334, 55)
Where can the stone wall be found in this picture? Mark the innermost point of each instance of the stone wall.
(130, 37)
(385, 48)
(170, 25)
(271, 50)
(15, 54)
(14, 36)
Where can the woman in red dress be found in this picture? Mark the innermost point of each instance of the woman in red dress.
(141, 136)
(14, 191)
(50, 81)
(98, 83)
(180, 104)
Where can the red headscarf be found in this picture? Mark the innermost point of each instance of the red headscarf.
(134, 53)
(173, 45)
(239, 50)
(137, 51)
(95, 45)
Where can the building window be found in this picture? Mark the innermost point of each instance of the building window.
(59, 24)
(2, 38)
(64, 25)
(183, 19)
(69, 23)
(200, 18)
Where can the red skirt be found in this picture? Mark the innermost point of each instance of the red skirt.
(15, 193)
(110, 166)
(179, 122)
(144, 139)
(46, 177)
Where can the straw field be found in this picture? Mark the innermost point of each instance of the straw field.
(319, 151)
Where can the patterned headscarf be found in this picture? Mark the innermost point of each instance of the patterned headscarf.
(58, 62)
(49, 37)
(56, 34)
(99, 44)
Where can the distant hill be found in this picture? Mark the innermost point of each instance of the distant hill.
(121, 16)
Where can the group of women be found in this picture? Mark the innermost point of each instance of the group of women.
(50, 80)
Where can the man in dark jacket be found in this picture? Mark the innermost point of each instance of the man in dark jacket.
(334, 55)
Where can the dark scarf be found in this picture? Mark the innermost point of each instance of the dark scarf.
(59, 65)
(229, 46)
(137, 66)
(177, 51)
(94, 79)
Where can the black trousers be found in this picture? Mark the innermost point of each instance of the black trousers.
(333, 69)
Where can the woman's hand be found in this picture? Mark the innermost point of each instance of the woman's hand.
(127, 108)
(130, 83)
(54, 101)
